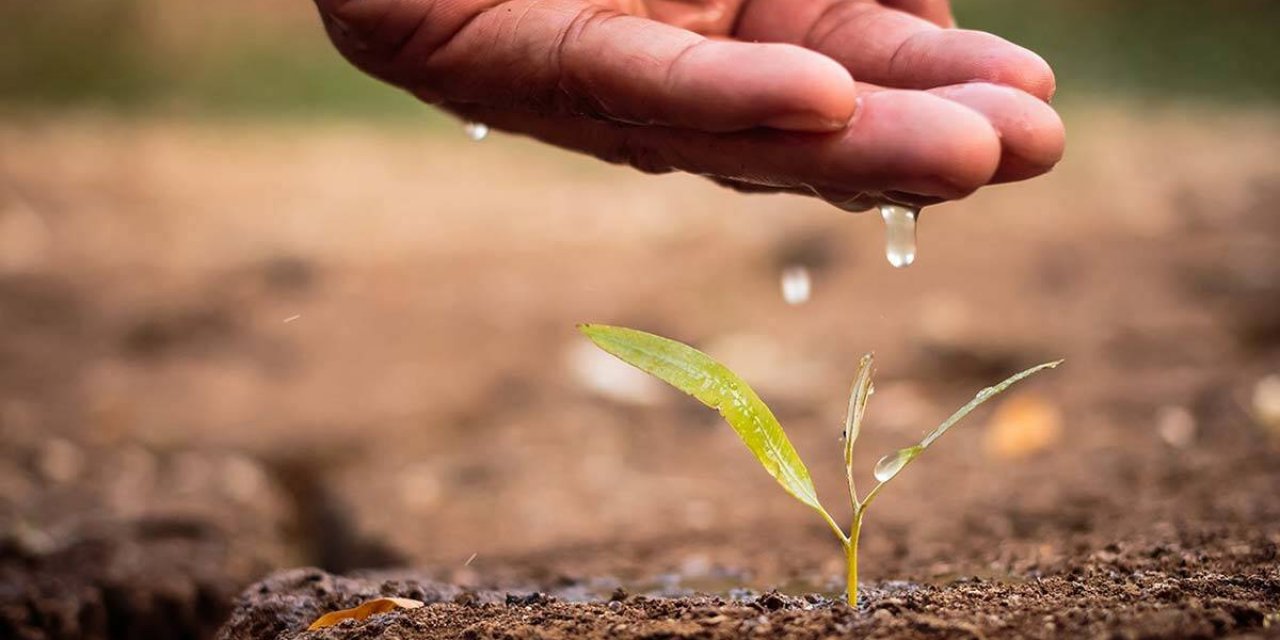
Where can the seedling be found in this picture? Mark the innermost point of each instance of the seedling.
(713, 384)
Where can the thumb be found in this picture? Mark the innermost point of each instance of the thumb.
(571, 57)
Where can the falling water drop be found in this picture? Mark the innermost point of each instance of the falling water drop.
(890, 465)
(796, 284)
(476, 130)
(900, 233)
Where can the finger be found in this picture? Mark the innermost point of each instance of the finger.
(848, 200)
(575, 57)
(892, 48)
(935, 11)
(1032, 136)
(906, 141)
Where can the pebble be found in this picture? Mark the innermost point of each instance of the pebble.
(1266, 403)
(1176, 426)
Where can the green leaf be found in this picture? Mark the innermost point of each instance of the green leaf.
(888, 467)
(983, 396)
(858, 397)
(712, 383)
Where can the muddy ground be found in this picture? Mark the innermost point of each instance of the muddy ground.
(231, 349)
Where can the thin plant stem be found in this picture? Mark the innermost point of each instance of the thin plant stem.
(875, 491)
(851, 558)
(835, 528)
(858, 397)
(853, 491)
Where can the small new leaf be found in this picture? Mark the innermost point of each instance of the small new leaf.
(983, 396)
(853, 419)
(891, 465)
(713, 384)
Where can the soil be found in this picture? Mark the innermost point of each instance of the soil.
(1148, 592)
(221, 358)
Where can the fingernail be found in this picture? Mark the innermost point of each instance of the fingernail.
(809, 122)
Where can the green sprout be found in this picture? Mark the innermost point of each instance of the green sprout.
(713, 384)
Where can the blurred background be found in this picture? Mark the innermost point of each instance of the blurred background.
(259, 311)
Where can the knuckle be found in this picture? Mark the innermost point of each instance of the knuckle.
(374, 35)
(835, 18)
(573, 87)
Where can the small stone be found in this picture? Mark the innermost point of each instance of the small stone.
(1176, 426)
(528, 600)
(1266, 403)
(771, 601)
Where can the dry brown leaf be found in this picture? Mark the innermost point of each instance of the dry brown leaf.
(370, 608)
(1024, 424)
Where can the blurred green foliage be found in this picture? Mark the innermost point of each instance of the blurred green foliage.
(60, 52)
(1218, 50)
(105, 54)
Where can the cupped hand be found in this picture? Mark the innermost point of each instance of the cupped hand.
(756, 94)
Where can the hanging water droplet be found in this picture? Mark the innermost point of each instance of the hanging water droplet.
(900, 233)
(476, 130)
(796, 284)
(890, 465)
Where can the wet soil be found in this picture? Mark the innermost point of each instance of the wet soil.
(1148, 592)
(216, 365)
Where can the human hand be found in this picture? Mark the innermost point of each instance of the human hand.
(755, 94)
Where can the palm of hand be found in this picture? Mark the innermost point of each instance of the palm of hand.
(757, 94)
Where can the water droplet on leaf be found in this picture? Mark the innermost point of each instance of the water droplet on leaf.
(797, 285)
(476, 130)
(900, 233)
(890, 465)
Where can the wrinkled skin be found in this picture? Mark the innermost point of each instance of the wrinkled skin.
(848, 100)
